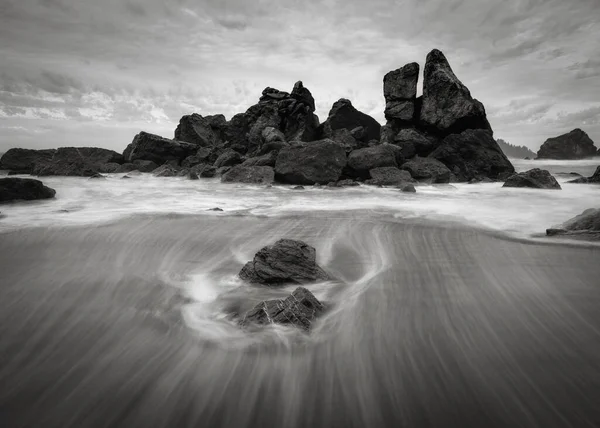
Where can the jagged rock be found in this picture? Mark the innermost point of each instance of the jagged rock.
(298, 188)
(586, 226)
(236, 130)
(414, 142)
(308, 163)
(126, 167)
(448, 107)
(345, 139)
(303, 96)
(408, 188)
(473, 154)
(595, 178)
(228, 158)
(23, 161)
(76, 161)
(249, 174)
(217, 209)
(223, 170)
(573, 145)
(300, 309)
(535, 178)
(344, 115)
(427, 169)
(401, 84)
(388, 176)
(267, 159)
(27, 189)
(362, 161)
(359, 134)
(204, 170)
(285, 262)
(145, 165)
(157, 149)
(202, 131)
(400, 110)
(165, 171)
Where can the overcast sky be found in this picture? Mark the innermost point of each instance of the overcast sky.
(96, 72)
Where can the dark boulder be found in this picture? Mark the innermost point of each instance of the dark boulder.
(473, 154)
(361, 161)
(285, 262)
(400, 92)
(595, 178)
(126, 167)
(414, 142)
(77, 161)
(204, 170)
(109, 168)
(408, 188)
(23, 161)
(202, 131)
(228, 158)
(535, 178)
(166, 171)
(573, 145)
(309, 163)
(448, 107)
(346, 139)
(267, 159)
(157, 149)
(236, 130)
(300, 309)
(428, 170)
(15, 189)
(249, 174)
(343, 115)
(389, 176)
(303, 96)
(584, 226)
(145, 165)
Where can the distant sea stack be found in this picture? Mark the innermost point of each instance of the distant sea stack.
(442, 136)
(573, 145)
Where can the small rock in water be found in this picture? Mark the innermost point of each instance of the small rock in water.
(535, 178)
(409, 188)
(125, 177)
(193, 176)
(97, 175)
(300, 309)
(215, 209)
(298, 188)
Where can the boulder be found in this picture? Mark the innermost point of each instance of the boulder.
(343, 115)
(408, 188)
(389, 176)
(400, 92)
(414, 142)
(303, 96)
(300, 309)
(447, 106)
(249, 174)
(201, 131)
(361, 161)
(346, 139)
(126, 167)
(573, 145)
(586, 225)
(473, 154)
(166, 171)
(428, 170)
(309, 163)
(204, 170)
(14, 189)
(23, 161)
(77, 161)
(228, 158)
(535, 178)
(157, 149)
(145, 165)
(109, 168)
(285, 262)
(267, 159)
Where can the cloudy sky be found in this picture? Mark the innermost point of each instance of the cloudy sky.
(94, 73)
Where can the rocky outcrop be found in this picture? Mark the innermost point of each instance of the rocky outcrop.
(448, 107)
(228, 158)
(343, 115)
(413, 142)
(428, 170)
(309, 163)
(27, 189)
(267, 159)
(157, 149)
(473, 154)
(584, 226)
(389, 176)
(203, 131)
(166, 171)
(400, 92)
(361, 161)
(300, 309)
(285, 262)
(594, 179)
(573, 145)
(249, 174)
(77, 161)
(23, 161)
(535, 178)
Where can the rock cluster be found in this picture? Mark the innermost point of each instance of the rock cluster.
(26, 189)
(573, 145)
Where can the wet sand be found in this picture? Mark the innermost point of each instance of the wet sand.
(434, 327)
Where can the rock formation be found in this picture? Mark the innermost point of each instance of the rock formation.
(343, 115)
(584, 226)
(27, 189)
(428, 170)
(249, 174)
(285, 262)
(535, 178)
(400, 92)
(573, 145)
(23, 161)
(77, 161)
(150, 147)
(310, 163)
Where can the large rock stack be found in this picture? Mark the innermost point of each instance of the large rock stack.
(572, 145)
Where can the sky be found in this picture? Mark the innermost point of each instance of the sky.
(95, 73)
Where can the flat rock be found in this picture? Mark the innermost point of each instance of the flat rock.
(309, 163)
(285, 262)
(389, 176)
(14, 189)
(535, 178)
(77, 161)
(573, 145)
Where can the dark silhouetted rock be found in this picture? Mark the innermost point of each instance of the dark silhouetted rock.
(77, 161)
(23, 161)
(347, 183)
(202, 131)
(345, 139)
(236, 130)
(145, 165)
(448, 107)
(157, 149)
(300, 309)
(215, 209)
(389, 176)
(362, 161)
(298, 188)
(98, 176)
(535, 178)
(204, 170)
(400, 92)
(192, 175)
(303, 96)
(573, 145)
(109, 168)
(414, 142)
(285, 262)
(595, 178)
(427, 169)
(249, 174)
(15, 189)
(228, 158)
(473, 154)
(584, 226)
(267, 159)
(308, 163)
(166, 171)
(408, 188)
(344, 115)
